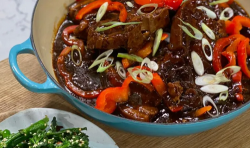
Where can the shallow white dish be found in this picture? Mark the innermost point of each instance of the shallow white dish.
(97, 137)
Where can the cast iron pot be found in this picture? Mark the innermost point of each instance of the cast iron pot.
(46, 17)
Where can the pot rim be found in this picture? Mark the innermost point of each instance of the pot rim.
(162, 125)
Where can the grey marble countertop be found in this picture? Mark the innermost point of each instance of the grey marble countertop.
(15, 22)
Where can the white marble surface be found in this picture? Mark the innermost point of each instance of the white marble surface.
(15, 22)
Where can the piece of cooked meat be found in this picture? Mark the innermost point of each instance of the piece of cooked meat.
(190, 14)
(131, 37)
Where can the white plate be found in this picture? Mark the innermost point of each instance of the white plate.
(97, 137)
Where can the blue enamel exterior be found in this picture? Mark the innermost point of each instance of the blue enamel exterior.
(151, 129)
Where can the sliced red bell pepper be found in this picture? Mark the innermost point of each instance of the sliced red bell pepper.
(90, 7)
(171, 4)
(113, 6)
(65, 36)
(175, 108)
(220, 45)
(107, 100)
(242, 56)
(68, 77)
(230, 57)
(117, 6)
(159, 85)
(230, 2)
(235, 26)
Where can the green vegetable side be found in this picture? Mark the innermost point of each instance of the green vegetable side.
(36, 136)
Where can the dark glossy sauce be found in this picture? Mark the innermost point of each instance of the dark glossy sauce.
(175, 66)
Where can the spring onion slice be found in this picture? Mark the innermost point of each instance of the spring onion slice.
(120, 70)
(114, 24)
(208, 99)
(151, 64)
(130, 57)
(206, 79)
(102, 10)
(157, 42)
(220, 74)
(209, 12)
(145, 6)
(130, 4)
(204, 44)
(197, 63)
(208, 31)
(229, 11)
(214, 89)
(223, 96)
(198, 35)
(102, 68)
(101, 58)
(73, 48)
(145, 75)
(183, 2)
(218, 2)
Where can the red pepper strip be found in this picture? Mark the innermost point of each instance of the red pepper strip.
(164, 36)
(233, 47)
(143, 2)
(237, 24)
(117, 6)
(65, 36)
(175, 108)
(159, 85)
(90, 7)
(218, 49)
(230, 57)
(107, 100)
(68, 77)
(230, 2)
(242, 57)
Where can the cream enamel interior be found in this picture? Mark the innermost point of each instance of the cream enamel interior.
(48, 15)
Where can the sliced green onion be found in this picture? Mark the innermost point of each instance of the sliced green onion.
(220, 74)
(157, 42)
(183, 2)
(208, 31)
(130, 57)
(130, 4)
(209, 12)
(151, 64)
(114, 24)
(73, 48)
(223, 96)
(206, 79)
(204, 44)
(145, 75)
(102, 68)
(198, 35)
(145, 6)
(229, 11)
(209, 99)
(218, 2)
(101, 58)
(214, 89)
(102, 10)
(120, 70)
(197, 63)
